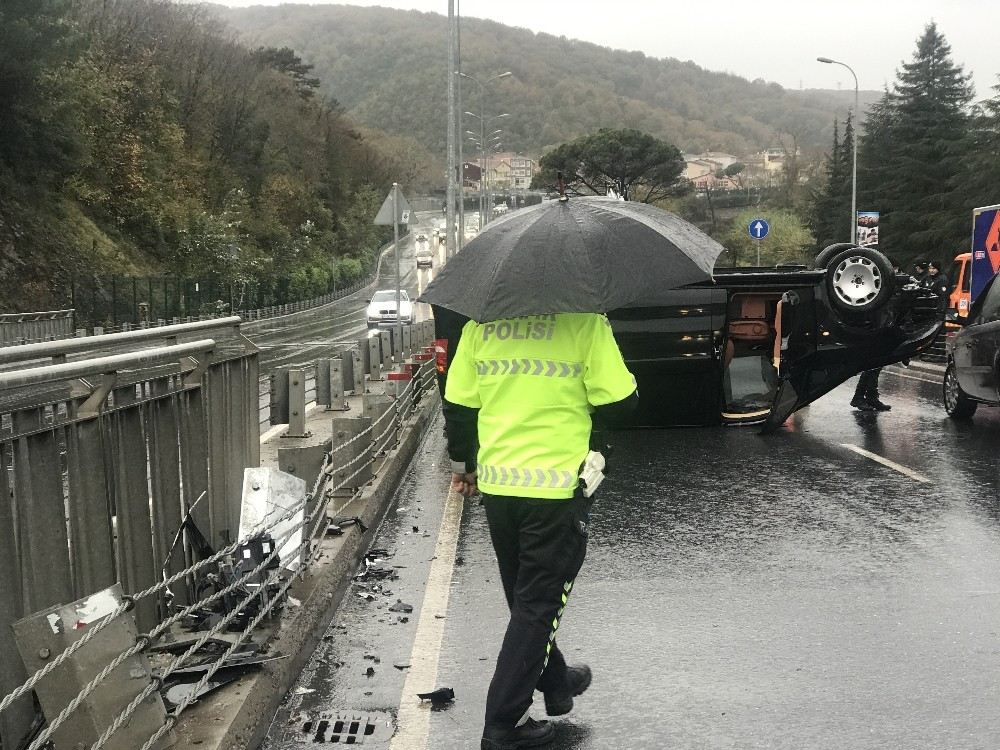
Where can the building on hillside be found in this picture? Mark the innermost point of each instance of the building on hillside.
(769, 160)
(701, 170)
(710, 181)
(515, 175)
(501, 175)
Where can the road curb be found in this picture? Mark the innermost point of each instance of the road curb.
(241, 715)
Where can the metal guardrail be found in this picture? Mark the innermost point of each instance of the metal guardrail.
(96, 479)
(58, 350)
(56, 566)
(21, 328)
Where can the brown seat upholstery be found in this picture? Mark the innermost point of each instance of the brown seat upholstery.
(750, 323)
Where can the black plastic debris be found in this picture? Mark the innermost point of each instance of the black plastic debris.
(438, 697)
(370, 672)
(416, 529)
(346, 521)
(401, 606)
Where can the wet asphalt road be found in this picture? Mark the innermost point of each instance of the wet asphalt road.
(739, 592)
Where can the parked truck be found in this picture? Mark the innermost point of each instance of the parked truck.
(972, 271)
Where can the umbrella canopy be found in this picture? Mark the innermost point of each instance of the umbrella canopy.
(580, 255)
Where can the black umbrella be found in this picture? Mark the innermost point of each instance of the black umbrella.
(580, 255)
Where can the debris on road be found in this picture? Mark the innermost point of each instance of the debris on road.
(438, 697)
(401, 606)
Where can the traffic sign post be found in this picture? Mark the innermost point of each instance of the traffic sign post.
(758, 229)
(395, 210)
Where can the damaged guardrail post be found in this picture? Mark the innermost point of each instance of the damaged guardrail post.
(296, 405)
(44, 634)
(304, 462)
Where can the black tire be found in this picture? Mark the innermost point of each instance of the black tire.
(859, 280)
(956, 402)
(823, 256)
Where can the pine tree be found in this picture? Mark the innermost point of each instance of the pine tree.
(981, 184)
(916, 150)
(831, 204)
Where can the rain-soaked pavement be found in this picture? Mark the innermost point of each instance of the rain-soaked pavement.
(739, 592)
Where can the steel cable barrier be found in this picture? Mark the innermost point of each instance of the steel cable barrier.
(280, 529)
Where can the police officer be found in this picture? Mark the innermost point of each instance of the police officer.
(937, 281)
(527, 392)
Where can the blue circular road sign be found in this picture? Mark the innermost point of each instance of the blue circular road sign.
(758, 228)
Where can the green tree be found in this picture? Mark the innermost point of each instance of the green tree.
(914, 151)
(982, 170)
(787, 242)
(286, 62)
(830, 209)
(635, 165)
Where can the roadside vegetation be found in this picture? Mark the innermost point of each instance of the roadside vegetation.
(138, 137)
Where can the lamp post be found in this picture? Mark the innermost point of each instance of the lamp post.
(854, 167)
(482, 130)
(451, 134)
(492, 146)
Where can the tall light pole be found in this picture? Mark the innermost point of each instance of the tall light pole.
(482, 131)
(450, 190)
(460, 240)
(854, 168)
(492, 145)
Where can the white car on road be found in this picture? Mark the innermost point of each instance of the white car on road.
(382, 309)
(424, 254)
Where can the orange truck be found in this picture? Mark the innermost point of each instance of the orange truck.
(972, 271)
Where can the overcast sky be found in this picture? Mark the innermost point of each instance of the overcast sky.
(777, 40)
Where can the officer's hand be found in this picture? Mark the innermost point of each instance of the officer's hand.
(464, 484)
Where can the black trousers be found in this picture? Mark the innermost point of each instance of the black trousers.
(540, 546)
(867, 387)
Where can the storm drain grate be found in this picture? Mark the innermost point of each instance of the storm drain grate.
(343, 729)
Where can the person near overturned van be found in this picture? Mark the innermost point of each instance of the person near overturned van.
(937, 281)
(523, 398)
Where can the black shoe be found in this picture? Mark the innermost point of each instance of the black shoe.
(879, 406)
(862, 404)
(578, 680)
(530, 734)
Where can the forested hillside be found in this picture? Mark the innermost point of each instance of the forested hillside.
(387, 68)
(137, 136)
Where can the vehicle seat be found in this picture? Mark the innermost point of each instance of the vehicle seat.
(750, 322)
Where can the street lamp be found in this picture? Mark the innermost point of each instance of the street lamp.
(854, 167)
(482, 131)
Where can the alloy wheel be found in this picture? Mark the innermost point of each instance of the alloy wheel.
(857, 280)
